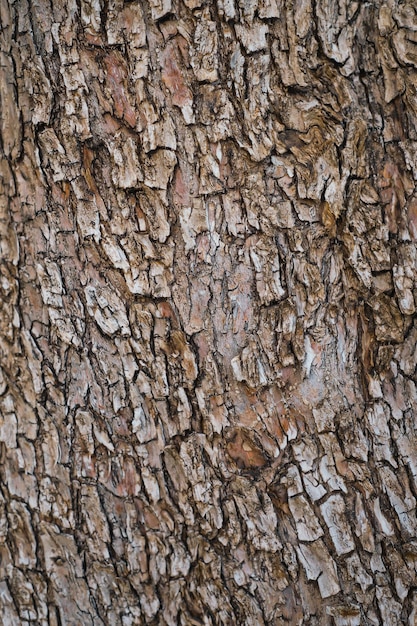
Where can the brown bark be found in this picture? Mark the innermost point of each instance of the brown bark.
(208, 337)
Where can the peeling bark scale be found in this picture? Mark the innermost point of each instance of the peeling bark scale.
(208, 228)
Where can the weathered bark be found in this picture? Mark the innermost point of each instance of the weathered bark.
(208, 335)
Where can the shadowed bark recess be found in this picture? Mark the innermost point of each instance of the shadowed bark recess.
(208, 228)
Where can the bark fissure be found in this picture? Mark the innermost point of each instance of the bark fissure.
(208, 276)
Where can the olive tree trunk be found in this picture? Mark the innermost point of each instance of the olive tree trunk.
(208, 334)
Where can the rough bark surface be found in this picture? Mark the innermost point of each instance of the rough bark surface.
(208, 334)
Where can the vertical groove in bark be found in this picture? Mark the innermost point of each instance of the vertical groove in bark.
(208, 275)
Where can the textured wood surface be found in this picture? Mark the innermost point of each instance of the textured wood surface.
(208, 226)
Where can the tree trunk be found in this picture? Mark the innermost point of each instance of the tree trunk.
(208, 336)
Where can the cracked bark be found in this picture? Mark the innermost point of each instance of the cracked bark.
(208, 341)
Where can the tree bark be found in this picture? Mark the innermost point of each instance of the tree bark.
(208, 335)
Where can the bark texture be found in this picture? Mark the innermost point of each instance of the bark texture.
(208, 334)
